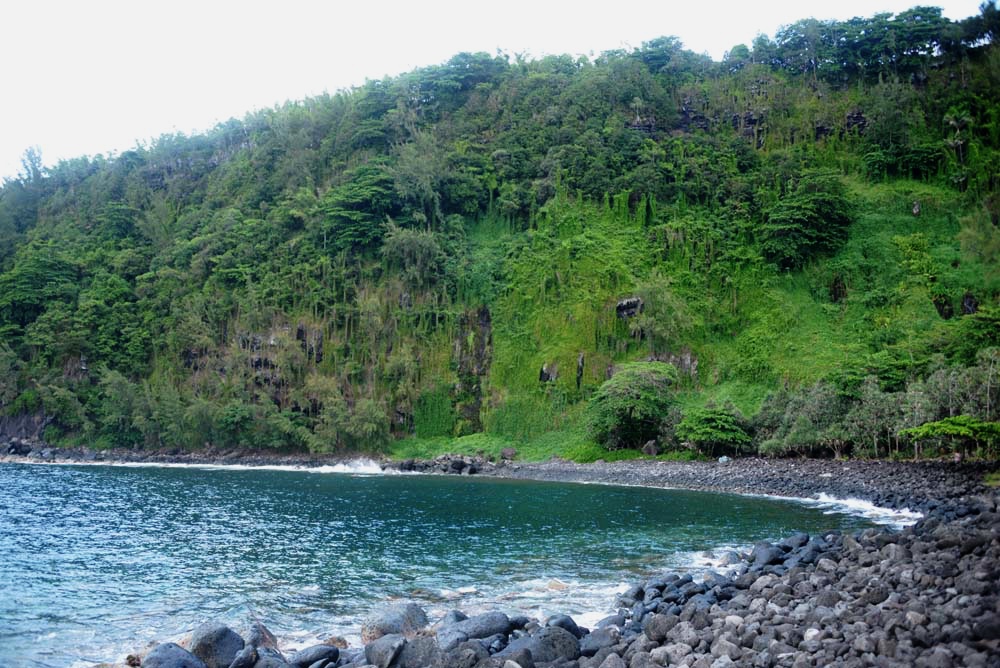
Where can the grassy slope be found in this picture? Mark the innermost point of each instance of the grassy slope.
(791, 331)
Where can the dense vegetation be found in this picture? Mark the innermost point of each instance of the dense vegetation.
(807, 231)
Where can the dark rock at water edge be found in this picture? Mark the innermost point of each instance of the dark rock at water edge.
(305, 658)
(170, 655)
(406, 618)
(215, 644)
(480, 626)
(551, 643)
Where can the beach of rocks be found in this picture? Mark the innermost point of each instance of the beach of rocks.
(925, 595)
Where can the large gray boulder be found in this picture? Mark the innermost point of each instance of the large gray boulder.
(258, 635)
(245, 658)
(482, 626)
(419, 652)
(383, 651)
(169, 655)
(403, 619)
(270, 658)
(216, 644)
(551, 643)
(310, 655)
(598, 639)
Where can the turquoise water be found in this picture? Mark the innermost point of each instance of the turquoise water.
(95, 561)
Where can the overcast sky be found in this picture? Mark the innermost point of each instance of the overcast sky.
(82, 77)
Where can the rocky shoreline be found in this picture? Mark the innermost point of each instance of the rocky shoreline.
(928, 595)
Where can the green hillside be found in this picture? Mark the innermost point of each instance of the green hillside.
(807, 230)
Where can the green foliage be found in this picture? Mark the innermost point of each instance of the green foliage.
(311, 276)
(416, 254)
(811, 220)
(352, 215)
(713, 430)
(806, 423)
(625, 411)
(961, 431)
(521, 416)
(434, 414)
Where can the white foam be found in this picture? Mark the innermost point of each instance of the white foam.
(896, 518)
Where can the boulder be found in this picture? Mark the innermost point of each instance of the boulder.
(403, 619)
(310, 655)
(170, 655)
(482, 626)
(245, 658)
(258, 635)
(448, 639)
(551, 643)
(268, 657)
(216, 644)
(383, 651)
(765, 554)
(656, 627)
(466, 655)
(419, 652)
(598, 639)
(565, 622)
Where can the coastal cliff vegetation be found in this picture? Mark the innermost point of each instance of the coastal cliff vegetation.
(807, 231)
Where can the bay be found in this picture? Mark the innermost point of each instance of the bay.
(96, 561)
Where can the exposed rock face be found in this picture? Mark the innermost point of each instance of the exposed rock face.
(856, 120)
(685, 361)
(691, 118)
(943, 306)
(311, 341)
(548, 374)
(472, 357)
(970, 304)
(629, 307)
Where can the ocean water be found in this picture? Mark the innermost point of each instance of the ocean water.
(99, 561)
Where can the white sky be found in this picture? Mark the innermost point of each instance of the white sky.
(82, 77)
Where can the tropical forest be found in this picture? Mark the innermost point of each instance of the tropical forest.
(794, 251)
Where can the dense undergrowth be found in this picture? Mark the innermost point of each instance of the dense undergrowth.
(459, 257)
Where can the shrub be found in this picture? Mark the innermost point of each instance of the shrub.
(808, 222)
(626, 410)
(710, 428)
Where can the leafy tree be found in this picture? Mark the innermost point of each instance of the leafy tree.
(119, 406)
(10, 367)
(961, 431)
(625, 411)
(368, 426)
(812, 422)
(415, 253)
(810, 221)
(352, 215)
(41, 276)
(710, 430)
(871, 421)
